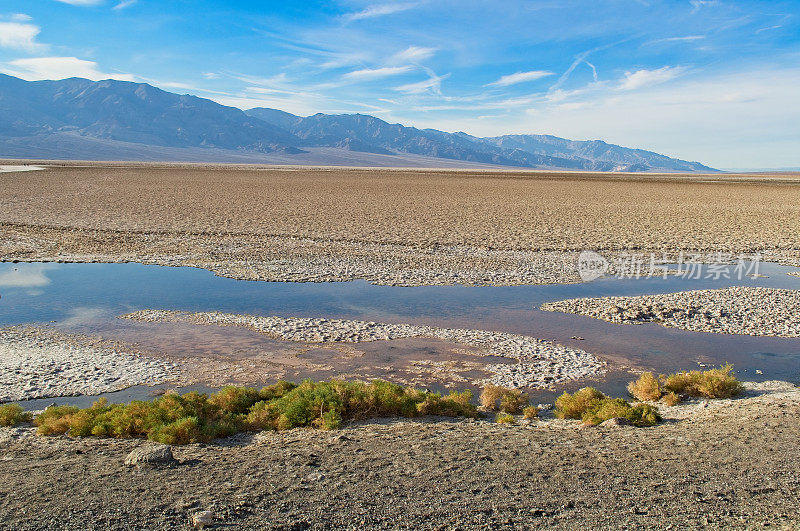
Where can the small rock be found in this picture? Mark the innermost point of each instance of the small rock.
(202, 519)
(616, 421)
(150, 455)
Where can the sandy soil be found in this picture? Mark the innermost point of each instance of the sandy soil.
(387, 226)
(718, 464)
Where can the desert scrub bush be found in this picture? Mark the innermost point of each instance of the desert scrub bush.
(575, 405)
(671, 399)
(713, 383)
(531, 412)
(13, 414)
(494, 397)
(196, 417)
(646, 388)
(326, 404)
(593, 407)
(505, 418)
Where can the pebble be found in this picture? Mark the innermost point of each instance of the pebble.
(150, 455)
(203, 519)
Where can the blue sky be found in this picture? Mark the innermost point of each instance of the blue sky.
(710, 80)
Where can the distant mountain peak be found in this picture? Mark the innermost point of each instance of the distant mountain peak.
(111, 116)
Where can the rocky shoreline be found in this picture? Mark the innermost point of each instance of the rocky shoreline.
(540, 364)
(737, 310)
(44, 363)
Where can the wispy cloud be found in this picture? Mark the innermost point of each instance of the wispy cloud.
(412, 54)
(20, 34)
(380, 10)
(375, 73)
(687, 38)
(519, 77)
(432, 85)
(124, 4)
(81, 2)
(699, 4)
(37, 68)
(645, 78)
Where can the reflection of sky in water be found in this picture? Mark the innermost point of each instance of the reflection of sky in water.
(26, 276)
(83, 296)
(7, 168)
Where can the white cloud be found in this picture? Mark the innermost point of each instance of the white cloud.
(380, 10)
(412, 54)
(19, 34)
(20, 17)
(210, 75)
(27, 276)
(699, 4)
(38, 68)
(687, 38)
(375, 73)
(519, 77)
(432, 85)
(646, 78)
(124, 4)
(81, 2)
(693, 118)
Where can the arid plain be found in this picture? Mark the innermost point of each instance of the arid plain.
(410, 227)
(711, 463)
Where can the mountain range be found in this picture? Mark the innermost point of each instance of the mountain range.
(119, 120)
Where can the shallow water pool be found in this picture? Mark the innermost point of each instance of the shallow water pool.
(87, 298)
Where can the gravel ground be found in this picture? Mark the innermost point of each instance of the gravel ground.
(718, 464)
(412, 227)
(541, 364)
(42, 363)
(737, 310)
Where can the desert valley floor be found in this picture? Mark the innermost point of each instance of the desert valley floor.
(445, 279)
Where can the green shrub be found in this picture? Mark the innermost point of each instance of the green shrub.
(494, 398)
(593, 407)
(575, 405)
(712, 383)
(646, 388)
(531, 412)
(13, 414)
(505, 418)
(195, 417)
(55, 419)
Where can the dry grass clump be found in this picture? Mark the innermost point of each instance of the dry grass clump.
(13, 414)
(494, 398)
(646, 388)
(195, 417)
(671, 399)
(713, 383)
(505, 418)
(593, 407)
(531, 412)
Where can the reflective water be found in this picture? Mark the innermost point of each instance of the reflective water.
(88, 297)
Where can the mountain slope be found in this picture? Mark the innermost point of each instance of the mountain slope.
(78, 118)
(131, 112)
(369, 134)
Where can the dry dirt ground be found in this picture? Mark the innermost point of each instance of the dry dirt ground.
(387, 226)
(721, 464)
